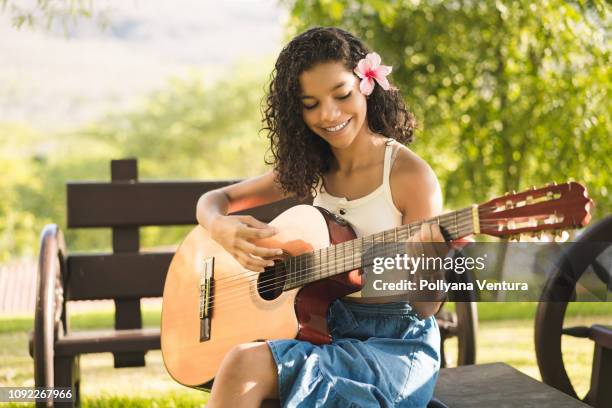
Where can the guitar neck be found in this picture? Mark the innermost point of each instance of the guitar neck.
(349, 255)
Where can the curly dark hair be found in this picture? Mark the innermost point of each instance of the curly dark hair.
(299, 156)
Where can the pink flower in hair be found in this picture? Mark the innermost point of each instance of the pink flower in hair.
(369, 69)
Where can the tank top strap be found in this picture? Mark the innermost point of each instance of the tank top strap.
(388, 161)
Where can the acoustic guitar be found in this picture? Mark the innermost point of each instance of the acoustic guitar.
(211, 303)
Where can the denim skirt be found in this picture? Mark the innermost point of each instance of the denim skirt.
(382, 355)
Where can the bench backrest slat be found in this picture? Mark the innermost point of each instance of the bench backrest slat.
(126, 204)
(117, 276)
(135, 204)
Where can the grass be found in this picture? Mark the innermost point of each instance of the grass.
(487, 312)
(78, 321)
(505, 334)
(101, 384)
(494, 312)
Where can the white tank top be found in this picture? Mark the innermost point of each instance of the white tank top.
(370, 214)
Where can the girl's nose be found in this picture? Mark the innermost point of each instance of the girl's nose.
(329, 113)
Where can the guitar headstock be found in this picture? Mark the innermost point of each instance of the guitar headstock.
(555, 207)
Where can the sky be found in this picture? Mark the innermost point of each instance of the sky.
(54, 79)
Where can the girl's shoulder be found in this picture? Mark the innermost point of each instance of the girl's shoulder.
(409, 166)
(413, 181)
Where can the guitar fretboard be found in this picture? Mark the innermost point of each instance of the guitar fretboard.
(349, 255)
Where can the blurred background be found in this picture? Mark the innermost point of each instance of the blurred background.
(508, 94)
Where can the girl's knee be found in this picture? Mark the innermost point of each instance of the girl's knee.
(248, 359)
(250, 363)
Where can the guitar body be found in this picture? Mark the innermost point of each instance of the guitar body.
(241, 310)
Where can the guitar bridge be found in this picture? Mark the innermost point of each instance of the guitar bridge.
(206, 297)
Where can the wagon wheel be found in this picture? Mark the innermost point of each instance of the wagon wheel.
(462, 323)
(48, 322)
(560, 288)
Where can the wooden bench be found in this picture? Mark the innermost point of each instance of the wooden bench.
(497, 385)
(126, 275)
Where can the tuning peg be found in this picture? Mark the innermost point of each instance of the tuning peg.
(553, 184)
(532, 188)
(536, 234)
(513, 191)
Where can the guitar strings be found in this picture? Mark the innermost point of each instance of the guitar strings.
(304, 273)
(305, 277)
(237, 294)
(378, 238)
(464, 221)
(305, 258)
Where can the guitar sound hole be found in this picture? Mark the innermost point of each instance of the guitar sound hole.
(271, 281)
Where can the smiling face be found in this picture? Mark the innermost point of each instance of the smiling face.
(332, 105)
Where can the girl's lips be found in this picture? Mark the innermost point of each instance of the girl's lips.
(338, 128)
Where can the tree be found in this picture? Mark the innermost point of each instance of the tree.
(45, 13)
(509, 94)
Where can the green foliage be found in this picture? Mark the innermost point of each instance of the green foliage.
(509, 94)
(191, 129)
(19, 190)
(46, 13)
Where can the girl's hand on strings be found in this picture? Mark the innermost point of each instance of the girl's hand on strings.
(235, 234)
(428, 243)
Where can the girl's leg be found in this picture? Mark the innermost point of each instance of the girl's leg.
(246, 378)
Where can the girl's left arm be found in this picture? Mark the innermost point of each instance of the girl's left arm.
(416, 193)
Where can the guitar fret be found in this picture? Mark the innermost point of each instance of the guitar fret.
(295, 270)
(335, 260)
(322, 264)
(290, 271)
(327, 270)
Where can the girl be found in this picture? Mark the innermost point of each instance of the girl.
(336, 131)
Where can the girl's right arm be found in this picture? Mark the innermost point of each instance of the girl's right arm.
(235, 233)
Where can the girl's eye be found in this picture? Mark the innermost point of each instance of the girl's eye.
(309, 107)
